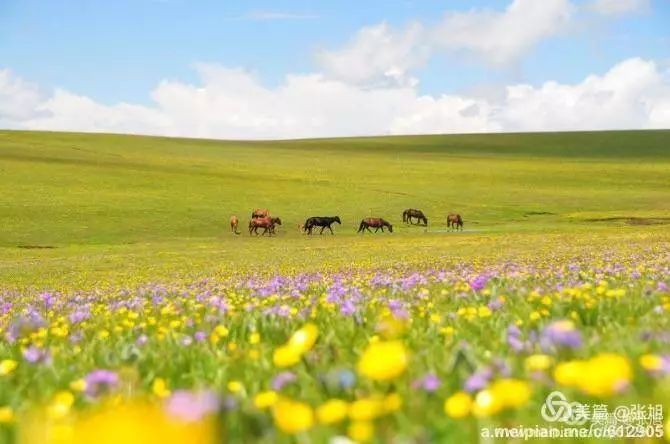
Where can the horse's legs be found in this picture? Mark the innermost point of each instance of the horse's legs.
(331, 229)
(322, 228)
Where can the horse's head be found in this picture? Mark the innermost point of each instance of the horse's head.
(337, 219)
(276, 220)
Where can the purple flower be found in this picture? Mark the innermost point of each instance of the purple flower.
(478, 380)
(100, 381)
(347, 308)
(561, 333)
(141, 340)
(36, 355)
(282, 379)
(192, 406)
(479, 282)
(429, 383)
(200, 336)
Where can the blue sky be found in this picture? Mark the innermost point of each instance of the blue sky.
(113, 52)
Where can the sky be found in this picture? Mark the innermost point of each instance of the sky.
(293, 69)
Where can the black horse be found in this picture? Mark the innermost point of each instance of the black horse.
(323, 222)
(411, 213)
(374, 222)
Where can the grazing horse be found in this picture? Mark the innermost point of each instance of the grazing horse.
(234, 222)
(374, 222)
(260, 213)
(411, 213)
(267, 223)
(323, 222)
(455, 221)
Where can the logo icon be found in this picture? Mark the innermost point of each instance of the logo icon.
(557, 408)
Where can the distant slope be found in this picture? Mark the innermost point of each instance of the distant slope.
(64, 188)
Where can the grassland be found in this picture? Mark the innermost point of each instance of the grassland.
(84, 208)
(129, 312)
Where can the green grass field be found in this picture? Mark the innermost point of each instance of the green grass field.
(130, 313)
(88, 208)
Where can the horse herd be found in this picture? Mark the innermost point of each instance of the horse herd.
(260, 218)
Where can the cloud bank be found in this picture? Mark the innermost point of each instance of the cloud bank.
(230, 103)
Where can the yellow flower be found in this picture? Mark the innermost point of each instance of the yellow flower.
(383, 361)
(605, 374)
(486, 404)
(361, 431)
(235, 386)
(392, 403)
(502, 394)
(458, 405)
(60, 405)
(264, 400)
(538, 362)
(285, 356)
(512, 393)
(303, 340)
(159, 388)
(651, 363)
(568, 373)
(484, 312)
(6, 415)
(292, 416)
(7, 366)
(366, 409)
(332, 411)
(78, 385)
(254, 338)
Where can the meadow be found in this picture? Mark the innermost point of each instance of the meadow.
(129, 312)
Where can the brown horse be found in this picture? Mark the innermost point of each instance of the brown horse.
(455, 221)
(259, 213)
(267, 223)
(411, 213)
(234, 222)
(374, 222)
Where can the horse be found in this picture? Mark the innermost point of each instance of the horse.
(410, 213)
(260, 213)
(267, 223)
(455, 221)
(323, 222)
(275, 221)
(234, 222)
(374, 222)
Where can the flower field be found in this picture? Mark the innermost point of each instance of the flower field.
(429, 352)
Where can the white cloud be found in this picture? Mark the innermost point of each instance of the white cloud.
(618, 7)
(18, 98)
(378, 56)
(231, 103)
(502, 37)
(633, 94)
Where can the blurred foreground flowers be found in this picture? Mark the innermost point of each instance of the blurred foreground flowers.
(403, 354)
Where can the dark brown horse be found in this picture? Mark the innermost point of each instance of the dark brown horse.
(374, 222)
(260, 212)
(267, 223)
(455, 221)
(234, 222)
(411, 213)
(323, 222)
